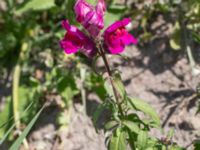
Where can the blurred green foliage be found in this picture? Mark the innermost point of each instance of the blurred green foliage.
(29, 38)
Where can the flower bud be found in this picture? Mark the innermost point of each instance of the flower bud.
(91, 17)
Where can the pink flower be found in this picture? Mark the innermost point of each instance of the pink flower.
(75, 40)
(116, 37)
(91, 17)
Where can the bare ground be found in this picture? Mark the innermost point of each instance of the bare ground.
(154, 73)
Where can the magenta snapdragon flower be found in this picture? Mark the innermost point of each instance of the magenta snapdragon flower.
(91, 17)
(115, 37)
(75, 40)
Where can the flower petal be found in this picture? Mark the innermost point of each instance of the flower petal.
(116, 49)
(129, 39)
(81, 8)
(116, 37)
(118, 24)
(68, 47)
(75, 40)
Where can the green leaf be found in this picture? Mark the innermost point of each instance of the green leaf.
(196, 37)
(117, 81)
(109, 89)
(151, 143)
(26, 96)
(20, 139)
(7, 133)
(142, 140)
(175, 41)
(36, 5)
(70, 13)
(97, 113)
(111, 124)
(12, 127)
(111, 18)
(131, 140)
(5, 116)
(96, 83)
(175, 147)
(170, 134)
(93, 2)
(66, 87)
(118, 141)
(131, 125)
(138, 104)
(197, 145)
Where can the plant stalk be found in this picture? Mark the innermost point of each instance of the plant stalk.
(15, 92)
(83, 92)
(116, 95)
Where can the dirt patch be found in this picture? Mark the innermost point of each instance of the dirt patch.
(162, 79)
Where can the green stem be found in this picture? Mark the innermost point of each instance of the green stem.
(190, 56)
(15, 94)
(15, 90)
(116, 95)
(83, 93)
(186, 43)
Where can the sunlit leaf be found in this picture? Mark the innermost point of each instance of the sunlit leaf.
(109, 89)
(118, 141)
(111, 124)
(14, 124)
(111, 18)
(141, 105)
(131, 125)
(175, 41)
(117, 81)
(91, 2)
(36, 5)
(142, 140)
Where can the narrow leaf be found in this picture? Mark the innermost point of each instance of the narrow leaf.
(20, 139)
(12, 127)
(118, 141)
(119, 85)
(109, 89)
(142, 140)
(141, 105)
(131, 125)
(97, 113)
(111, 124)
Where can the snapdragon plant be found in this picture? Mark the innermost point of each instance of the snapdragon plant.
(125, 127)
